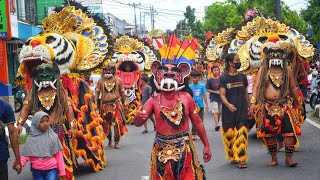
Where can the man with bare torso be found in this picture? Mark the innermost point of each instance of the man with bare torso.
(174, 154)
(113, 102)
(273, 105)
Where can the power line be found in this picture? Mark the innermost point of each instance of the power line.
(155, 2)
(297, 3)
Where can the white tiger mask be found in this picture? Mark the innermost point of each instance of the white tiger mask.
(47, 48)
(135, 57)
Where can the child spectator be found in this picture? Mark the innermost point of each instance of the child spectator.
(215, 100)
(43, 149)
(199, 95)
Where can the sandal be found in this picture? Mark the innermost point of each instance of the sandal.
(294, 164)
(217, 128)
(242, 166)
(144, 132)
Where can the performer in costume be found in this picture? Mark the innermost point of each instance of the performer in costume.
(174, 155)
(295, 63)
(78, 44)
(132, 58)
(112, 105)
(255, 33)
(47, 94)
(275, 112)
(234, 96)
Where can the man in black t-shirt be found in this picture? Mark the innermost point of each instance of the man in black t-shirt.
(234, 96)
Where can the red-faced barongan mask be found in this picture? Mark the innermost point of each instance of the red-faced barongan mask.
(168, 76)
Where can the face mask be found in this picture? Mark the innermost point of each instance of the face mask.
(237, 65)
(108, 75)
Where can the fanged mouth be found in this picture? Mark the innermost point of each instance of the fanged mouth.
(124, 64)
(165, 86)
(276, 62)
(32, 62)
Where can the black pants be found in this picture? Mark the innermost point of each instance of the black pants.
(304, 89)
(4, 169)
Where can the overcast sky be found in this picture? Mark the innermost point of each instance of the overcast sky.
(169, 12)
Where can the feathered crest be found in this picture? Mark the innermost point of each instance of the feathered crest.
(176, 52)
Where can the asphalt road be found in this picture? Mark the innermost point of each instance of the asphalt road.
(131, 162)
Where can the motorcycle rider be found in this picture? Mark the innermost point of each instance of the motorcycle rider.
(314, 80)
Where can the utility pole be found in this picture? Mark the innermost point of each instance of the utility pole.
(152, 12)
(134, 5)
(278, 10)
(140, 27)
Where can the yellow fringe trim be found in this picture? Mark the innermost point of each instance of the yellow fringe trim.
(240, 145)
(228, 139)
(153, 170)
(236, 142)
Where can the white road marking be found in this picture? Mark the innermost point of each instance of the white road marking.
(313, 123)
(144, 178)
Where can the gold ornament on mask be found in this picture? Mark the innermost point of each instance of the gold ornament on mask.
(91, 43)
(126, 44)
(261, 26)
(48, 100)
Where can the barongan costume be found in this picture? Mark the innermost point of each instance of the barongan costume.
(112, 110)
(173, 154)
(132, 58)
(77, 44)
(280, 116)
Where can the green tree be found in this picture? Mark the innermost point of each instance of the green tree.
(222, 15)
(194, 26)
(181, 29)
(311, 14)
(189, 14)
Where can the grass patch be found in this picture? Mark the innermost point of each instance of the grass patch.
(312, 113)
(22, 139)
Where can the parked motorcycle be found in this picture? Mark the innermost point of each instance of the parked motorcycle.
(19, 96)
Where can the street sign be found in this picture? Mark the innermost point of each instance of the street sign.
(3, 19)
(5, 30)
(95, 8)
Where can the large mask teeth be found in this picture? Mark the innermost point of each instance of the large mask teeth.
(276, 62)
(175, 85)
(38, 85)
(162, 83)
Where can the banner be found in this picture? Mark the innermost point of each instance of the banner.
(3, 63)
(5, 31)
